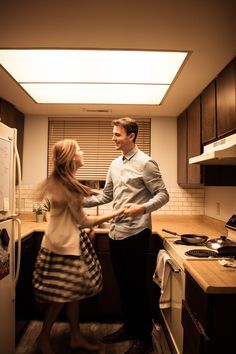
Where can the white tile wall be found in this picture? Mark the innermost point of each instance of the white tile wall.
(182, 202)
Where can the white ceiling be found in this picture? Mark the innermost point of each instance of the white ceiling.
(205, 28)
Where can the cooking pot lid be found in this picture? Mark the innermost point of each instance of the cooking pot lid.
(221, 241)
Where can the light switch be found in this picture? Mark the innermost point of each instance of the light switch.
(5, 204)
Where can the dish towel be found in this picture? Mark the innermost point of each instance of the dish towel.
(161, 277)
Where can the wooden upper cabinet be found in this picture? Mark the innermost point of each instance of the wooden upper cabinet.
(182, 149)
(189, 145)
(194, 141)
(208, 113)
(225, 100)
(14, 119)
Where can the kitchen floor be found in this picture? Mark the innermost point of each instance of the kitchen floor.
(92, 331)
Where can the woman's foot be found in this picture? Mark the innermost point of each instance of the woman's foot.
(44, 345)
(81, 342)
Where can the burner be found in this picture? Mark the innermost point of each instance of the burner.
(201, 253)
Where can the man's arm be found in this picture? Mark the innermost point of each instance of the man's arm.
(105, 197)
(153, 182)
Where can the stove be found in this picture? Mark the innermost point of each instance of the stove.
(179, 252)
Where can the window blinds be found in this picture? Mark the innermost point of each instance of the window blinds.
(94, 138)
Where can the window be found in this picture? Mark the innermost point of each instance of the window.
(94, 138)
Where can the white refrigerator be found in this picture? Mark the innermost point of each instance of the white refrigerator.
(9, 233)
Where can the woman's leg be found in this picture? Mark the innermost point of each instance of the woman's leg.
(44, 336)
(76, 339)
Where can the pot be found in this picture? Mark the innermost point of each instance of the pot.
(227, 251)
(222, 241)
(191, 239)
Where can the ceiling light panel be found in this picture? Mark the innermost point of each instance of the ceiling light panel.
(97, 93)
(30, 67)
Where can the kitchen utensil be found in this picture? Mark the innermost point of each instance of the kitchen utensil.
(216, 243)
(227, 251)
(191, 239)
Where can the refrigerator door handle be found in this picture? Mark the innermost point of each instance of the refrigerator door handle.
(18, 166)
(19, 249)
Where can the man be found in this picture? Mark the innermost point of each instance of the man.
(133, 181)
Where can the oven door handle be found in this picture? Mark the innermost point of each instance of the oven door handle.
(173, 266)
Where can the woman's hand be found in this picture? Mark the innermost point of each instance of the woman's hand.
(119, 212)
(91, 234)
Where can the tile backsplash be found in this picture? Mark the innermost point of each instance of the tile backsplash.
(182, 202)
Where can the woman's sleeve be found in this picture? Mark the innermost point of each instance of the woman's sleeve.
(75, 206)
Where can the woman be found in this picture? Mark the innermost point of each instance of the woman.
(67, 268)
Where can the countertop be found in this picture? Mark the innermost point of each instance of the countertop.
(196, 224)
(210, 275)
(178, 223)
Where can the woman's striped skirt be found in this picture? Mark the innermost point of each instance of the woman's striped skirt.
(67, 278)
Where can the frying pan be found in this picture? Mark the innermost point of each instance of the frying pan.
(191, 239)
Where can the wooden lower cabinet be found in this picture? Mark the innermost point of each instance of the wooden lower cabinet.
(25, 303)
(208, 321)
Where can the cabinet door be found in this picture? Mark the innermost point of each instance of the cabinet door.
(195, 341)
(182, 149)
(189, 145)
(13, 119)
(208, 114)
(194, 141)
(225, 100)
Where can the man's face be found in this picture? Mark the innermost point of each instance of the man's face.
(123, 141)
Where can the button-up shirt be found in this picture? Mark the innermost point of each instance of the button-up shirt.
(132, 178)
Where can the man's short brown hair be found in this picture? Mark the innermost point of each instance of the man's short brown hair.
(128, 124)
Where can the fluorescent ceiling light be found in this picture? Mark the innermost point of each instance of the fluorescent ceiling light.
(93, 76)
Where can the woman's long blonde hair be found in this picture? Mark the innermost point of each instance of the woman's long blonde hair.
(65, 167)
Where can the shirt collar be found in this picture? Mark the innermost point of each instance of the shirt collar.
(131, 153)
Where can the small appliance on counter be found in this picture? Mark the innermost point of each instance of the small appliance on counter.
(231, 227)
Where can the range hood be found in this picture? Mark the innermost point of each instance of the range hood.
(221, 152)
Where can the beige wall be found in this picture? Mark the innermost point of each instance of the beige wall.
(219, 202)
(163, 148)
(35, 149)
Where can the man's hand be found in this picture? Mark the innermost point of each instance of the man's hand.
(134, 210)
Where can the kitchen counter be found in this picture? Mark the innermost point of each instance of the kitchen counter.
(178, 223)
(185, 224)
(29, 225)
(212, 277)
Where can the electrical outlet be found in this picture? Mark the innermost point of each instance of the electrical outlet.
(218, 208)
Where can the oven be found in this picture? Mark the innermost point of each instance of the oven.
(178, 253)
(171, 315)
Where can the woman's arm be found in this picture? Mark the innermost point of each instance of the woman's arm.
(90, 221)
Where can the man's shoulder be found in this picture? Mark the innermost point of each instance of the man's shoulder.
(116, 160)
(143, 155)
